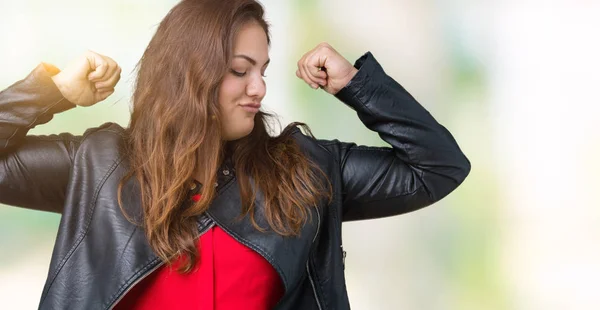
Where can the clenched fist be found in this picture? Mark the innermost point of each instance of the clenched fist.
(89, 79)
(325, 67)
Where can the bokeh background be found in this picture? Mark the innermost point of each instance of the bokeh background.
(516, 82)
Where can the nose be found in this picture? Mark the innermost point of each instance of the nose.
(256, 88)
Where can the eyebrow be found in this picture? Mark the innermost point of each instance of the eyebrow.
(250, 60)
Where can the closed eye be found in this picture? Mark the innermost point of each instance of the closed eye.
(236, 73)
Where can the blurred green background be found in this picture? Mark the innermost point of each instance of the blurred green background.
(514, 81)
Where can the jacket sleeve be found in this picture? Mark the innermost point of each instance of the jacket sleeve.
(34, 170)
(423, 164)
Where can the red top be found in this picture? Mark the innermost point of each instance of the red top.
(227, 276)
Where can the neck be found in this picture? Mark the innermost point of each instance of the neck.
(200, 173)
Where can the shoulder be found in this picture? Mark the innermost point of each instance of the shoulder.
(106, 130)
(320, 150)
(308, 140)
(108, 138)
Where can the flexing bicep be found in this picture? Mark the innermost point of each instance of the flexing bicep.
(34, 170)
(423, 163)
(35, 174)
(377, 183)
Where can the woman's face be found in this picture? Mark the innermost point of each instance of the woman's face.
(243, 87)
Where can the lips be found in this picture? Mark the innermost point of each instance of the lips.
(251, 107)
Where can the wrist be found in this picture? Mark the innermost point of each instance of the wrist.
(346, 80)
(60, 84)
(350, 75)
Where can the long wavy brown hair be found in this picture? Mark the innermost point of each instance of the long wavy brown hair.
(175, 131)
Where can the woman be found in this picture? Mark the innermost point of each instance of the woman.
(194, 205)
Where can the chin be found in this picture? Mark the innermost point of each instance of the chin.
(241, 133)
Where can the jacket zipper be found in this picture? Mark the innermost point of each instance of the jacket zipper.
(112, 306)
(312, 283)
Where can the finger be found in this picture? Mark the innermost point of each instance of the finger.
(98, 71)
(105, 93)
(313, 80)
(112, 69)
(102, 66)
(312, 64)
(316, 62)
(300, 73)
(112, 80)
(317, 75)
(304, 75)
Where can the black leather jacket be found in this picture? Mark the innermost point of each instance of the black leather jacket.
(99, 255)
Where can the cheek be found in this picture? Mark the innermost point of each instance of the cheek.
(235, 122)
(229, 92)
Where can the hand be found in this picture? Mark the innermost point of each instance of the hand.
(325, 67)
(89, 79)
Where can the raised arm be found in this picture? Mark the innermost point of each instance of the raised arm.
(423, 164)
(34, 170)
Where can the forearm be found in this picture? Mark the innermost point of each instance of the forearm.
(27, 103)
(416, 137)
